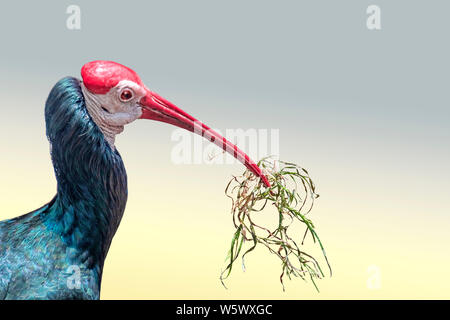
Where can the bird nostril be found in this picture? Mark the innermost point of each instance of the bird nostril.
(104, 109)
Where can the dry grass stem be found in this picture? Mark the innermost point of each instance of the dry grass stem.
(292, 194)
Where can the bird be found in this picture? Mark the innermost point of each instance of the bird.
(57, 252)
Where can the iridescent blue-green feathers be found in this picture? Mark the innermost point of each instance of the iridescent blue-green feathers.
(58, 251)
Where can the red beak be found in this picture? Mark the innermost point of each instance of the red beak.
(155, 107)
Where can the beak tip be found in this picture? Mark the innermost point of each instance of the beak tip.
(265, 181)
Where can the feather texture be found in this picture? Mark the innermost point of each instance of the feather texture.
(58, 251)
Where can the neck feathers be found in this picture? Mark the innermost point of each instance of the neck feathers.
(92, 181)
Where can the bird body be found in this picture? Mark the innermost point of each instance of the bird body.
(40, 251)
(58, 251)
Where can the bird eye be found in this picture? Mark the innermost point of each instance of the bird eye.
(126, 95)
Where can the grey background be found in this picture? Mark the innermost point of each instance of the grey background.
(288, 54)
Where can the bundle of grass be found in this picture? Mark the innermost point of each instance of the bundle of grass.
(292, 194)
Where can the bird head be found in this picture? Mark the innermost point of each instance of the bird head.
(115, 96)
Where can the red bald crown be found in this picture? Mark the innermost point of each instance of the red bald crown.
(100, 76)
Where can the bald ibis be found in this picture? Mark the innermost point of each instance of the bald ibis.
(42, 251)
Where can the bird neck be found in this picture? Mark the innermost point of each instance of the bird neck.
(94, 107)
(91, 177)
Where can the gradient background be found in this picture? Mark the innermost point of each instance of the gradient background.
(366, 112)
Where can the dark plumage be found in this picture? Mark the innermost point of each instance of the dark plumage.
(41, 252)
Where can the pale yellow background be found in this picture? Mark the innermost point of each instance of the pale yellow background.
(366, 113)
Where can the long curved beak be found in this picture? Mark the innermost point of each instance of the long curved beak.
(155, 107)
